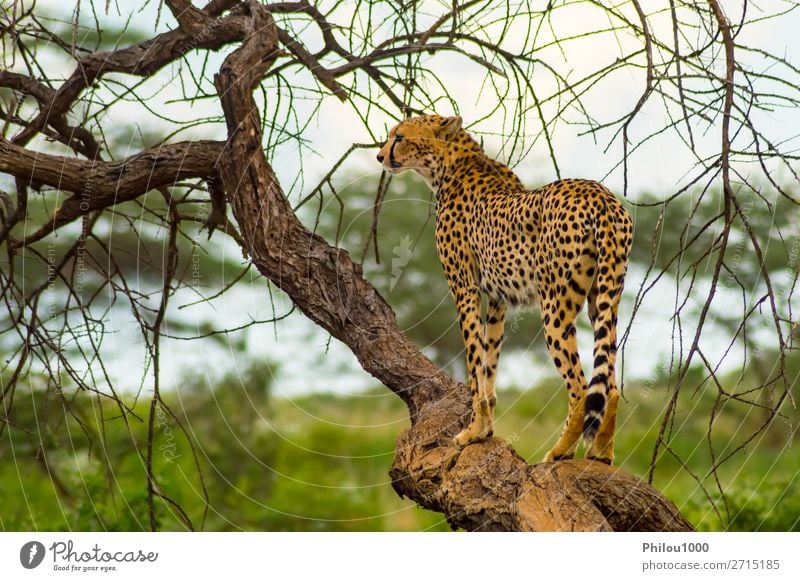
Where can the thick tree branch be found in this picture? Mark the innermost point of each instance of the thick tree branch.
(97, 185)
(283, 249)
(486, 486)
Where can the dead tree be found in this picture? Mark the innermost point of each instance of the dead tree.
(486, 486)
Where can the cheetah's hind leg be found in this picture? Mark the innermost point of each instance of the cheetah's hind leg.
(480, 425)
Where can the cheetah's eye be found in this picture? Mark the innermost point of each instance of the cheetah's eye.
(398, 137)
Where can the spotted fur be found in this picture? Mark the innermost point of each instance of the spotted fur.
(560, 246)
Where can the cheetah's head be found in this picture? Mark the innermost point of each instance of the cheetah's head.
(418, 143)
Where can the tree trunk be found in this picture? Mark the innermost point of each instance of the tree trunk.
(486, 486)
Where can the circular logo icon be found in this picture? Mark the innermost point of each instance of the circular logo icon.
(31, 554)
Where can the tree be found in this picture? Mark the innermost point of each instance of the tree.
(279, 54)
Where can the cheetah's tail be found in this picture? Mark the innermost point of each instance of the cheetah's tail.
(604, 321)
(594, 408)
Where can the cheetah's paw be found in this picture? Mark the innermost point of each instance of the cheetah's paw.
(473, 433)
(551, 456)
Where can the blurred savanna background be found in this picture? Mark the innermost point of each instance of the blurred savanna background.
(205, 400)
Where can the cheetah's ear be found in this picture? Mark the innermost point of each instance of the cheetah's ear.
(449, 127)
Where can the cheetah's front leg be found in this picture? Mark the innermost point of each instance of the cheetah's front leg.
(468, 305)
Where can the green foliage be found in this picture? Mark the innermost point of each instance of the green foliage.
(752, 504)
(320, 462)
(315, 463)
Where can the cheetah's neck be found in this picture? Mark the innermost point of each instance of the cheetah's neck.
(464, 163)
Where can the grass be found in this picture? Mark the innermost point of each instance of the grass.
(321, 462)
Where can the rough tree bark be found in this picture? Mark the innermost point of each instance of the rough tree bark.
(486, 486)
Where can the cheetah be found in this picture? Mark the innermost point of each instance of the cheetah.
(556, 247)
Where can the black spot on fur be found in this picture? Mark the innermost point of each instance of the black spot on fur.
(600, 378)
(595, 402)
